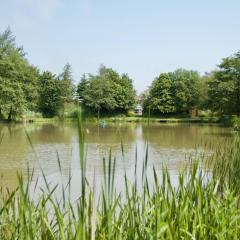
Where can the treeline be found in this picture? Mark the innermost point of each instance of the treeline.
(181, 91)
(24, 88)
(175, 92)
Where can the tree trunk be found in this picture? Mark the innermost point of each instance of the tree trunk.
(98, 114)
(10, 115)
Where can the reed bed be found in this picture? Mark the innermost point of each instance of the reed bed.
(199, 207)
(225, 164)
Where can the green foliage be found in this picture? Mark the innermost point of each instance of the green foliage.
(203, 91)
(50, 98)
(82, 86)
(160, 96)
(176, 92)
(107, 91)
(12, 100)
(186, 88)
(172, 93)
(99, 95)
(131, 113)
(18, 79)
(236, 123)
(225, 164)
(71, 110)
(124, 92)
(66, 83)
(224, 86)
(23, 89)
(231, 121)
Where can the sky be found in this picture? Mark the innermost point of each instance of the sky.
(140, 37)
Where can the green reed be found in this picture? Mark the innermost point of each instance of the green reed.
(199, 207)
(225, 164)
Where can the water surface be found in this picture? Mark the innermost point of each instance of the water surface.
(38, 145)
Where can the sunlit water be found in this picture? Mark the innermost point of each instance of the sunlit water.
(38, 145)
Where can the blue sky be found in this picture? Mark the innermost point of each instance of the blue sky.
(142, 38)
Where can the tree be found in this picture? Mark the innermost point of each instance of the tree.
(82, 86)
(50, 98)
(107, 91)
(124, 93)
(186, 87)
(18, 86)
(176, 92)
(66, 82)
(160, 97)
(12, 99)
(224, 86)
(99, 95)
(8, 44)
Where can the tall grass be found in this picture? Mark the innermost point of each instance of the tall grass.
(197, 208)
(225, 164)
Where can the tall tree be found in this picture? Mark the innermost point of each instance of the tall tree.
(160, 95)
(82, 86)
(107, 91)
(124, 92)
(18, 85)
(186, 87)
(224, 86)
(12, 100)
(67, 85)
(50, 98)
(99, 95)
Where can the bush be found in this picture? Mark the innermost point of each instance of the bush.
(71, 110)
(231, 121)
(130, 114)
(236, 123)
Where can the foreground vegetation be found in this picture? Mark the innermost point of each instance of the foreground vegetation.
(203, 205)
(193, 210)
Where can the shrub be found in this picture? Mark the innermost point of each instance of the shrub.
(236, 123)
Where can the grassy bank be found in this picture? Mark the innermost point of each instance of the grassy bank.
(235, 124)
(161, 120)
(129, 119)
(201, 206)
(71, 112)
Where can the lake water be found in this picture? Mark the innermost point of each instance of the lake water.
(168, 144)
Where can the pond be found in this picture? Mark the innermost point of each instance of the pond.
(37, 146)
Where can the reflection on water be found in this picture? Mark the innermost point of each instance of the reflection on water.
(168, 144)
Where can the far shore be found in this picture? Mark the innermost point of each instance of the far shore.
(120, 119)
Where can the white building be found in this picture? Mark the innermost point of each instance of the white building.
(138, 110)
